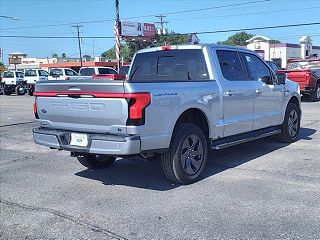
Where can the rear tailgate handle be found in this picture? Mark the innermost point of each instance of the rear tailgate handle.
(74, 89)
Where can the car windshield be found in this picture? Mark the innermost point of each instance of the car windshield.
(8, 75)
(31, 73)
(303, 65)
(56, 72)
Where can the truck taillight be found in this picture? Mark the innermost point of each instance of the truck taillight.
(137, 105)
(35, 110)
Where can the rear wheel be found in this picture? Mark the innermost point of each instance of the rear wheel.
(315, 96)
(291, 124)
(187, 156)
(96, 161)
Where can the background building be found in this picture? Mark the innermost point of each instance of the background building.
(282, 52)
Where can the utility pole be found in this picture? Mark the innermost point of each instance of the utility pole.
(117, 34)
(161, 22)
(78, 33)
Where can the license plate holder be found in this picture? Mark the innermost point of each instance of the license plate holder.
(79, 139)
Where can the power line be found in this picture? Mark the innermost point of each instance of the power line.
(245, 14)
(143, 16)
(204, 32)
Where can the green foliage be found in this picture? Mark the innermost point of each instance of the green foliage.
(238, 39)
(54, 55)
(63, 55)
(274, 41)
(127, 50)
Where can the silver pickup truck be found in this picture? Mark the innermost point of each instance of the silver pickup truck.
(177, 102)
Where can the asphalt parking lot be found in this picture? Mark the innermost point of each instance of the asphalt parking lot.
(258, 190)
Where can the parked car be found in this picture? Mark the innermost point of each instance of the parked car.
(31, 76)
(13, 82)
(91, 71)
(307, 74)
(177, 101)
(62, 74)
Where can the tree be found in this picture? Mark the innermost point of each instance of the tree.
(63, 55)
(2, 67)
(238, 39)
(171, 39)
(126, 50)
(54, 55)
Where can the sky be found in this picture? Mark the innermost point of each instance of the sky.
(55, 18)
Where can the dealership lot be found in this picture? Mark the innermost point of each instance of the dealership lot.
(258, 190)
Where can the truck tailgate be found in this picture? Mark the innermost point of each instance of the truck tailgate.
(84, 105)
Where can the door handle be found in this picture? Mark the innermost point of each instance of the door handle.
(74, 89)
(228, 93)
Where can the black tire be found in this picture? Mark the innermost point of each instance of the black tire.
(188, 138)
(315, 96)
(20, 90)
(291, 124)
(95, 161)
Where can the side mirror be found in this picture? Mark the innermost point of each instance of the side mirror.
(266, 79)
(281, 77)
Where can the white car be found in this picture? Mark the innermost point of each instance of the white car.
(13, 81)
(31, 76)
(62, 74)
(91, 71)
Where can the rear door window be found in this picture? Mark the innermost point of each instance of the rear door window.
(19, 74)
(230, 65)
(87, 72)
(173, 65)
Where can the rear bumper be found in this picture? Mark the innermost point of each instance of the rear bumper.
(97, 143)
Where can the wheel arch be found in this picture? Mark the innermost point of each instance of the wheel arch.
(194, 116)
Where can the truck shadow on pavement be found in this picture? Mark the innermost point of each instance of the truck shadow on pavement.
(139, 173)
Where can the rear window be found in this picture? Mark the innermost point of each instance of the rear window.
(87, 72)
(30, 73)
(173, 65)
(8, 75)
(106, 71)
(54, 72)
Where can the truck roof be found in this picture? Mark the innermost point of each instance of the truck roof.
(193, 46)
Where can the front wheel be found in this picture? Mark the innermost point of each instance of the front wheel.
(96, 161)
(20, 90)
(291, 124)
(315, 96)
(187, 155)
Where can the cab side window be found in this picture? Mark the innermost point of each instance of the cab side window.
(230, 65)
(258, 71)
